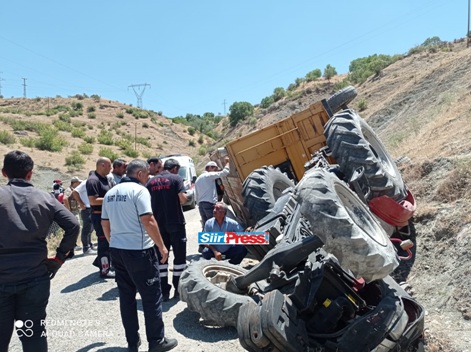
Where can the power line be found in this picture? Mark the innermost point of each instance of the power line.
(139, 91)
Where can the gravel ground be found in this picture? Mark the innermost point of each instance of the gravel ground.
(83, 311)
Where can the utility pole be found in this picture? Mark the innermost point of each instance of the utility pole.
(224, 103)
(139, 91)
(467, 33)
(24, 87)
(1, 79)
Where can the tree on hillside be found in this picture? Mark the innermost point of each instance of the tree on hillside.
(239, 111)
(313, 75)
(329, 72)
(266, 102)
(279, 93)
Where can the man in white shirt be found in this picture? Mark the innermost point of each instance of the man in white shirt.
(80, 195)
(205, 189)
(133, 233)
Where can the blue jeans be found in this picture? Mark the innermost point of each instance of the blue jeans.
(25, 302)
(235, 254)
(138, 270)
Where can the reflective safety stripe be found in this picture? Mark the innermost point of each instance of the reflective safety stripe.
(163, 267)
(163, 274)
(179, 267)
(177, 273)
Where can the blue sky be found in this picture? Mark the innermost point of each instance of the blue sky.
(196, 55)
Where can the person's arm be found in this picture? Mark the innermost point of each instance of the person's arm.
(66, 202)
(152, 229)
(217, 254)
(105, 224)
(95, 200)
(77, 197)
(183, 197)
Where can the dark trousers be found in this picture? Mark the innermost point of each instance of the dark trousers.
(87, 228)
(174, 236)
(138, 270)
(26, 304)
(103, 247)
(206, 212)
(235, 254)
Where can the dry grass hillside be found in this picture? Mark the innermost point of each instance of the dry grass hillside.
(421, 108)
(126, 131)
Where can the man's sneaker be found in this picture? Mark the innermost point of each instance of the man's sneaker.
(77, 248)
(165, 297)
(200, 248)
(110, 275)
(176, 296)
(90, 251)
(164, 345)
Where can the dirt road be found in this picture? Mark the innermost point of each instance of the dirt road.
(83, 312)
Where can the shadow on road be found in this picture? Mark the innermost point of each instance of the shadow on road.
(111, 295)
(90, 279)
(187, 323)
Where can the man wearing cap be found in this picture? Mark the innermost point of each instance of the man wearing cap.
(206, 191)
(167, 195)
(69, 201)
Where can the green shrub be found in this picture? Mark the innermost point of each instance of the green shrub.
(253, 121)
(78, 132)
(239, 111)
(78, 123)
(28, 142)
(91, 115)
(329, 72)
(77, 106)
(49, 140)
(266, 102)
(105, 137)
(131, 153)
(144, 141)
(63, 126)
(89, 139)
(75, 160)
(108, 153)
(191, 131)
(201, 139)
(202, 150)
(192, 143)
(362, 105)
(278, 93)
(7, 138)
(123, 143)
(65, 117)
(85, 148)
(313, 75)
(146, 155)
(120, 115)
(145, 125)
(91, 108)
(95, 97)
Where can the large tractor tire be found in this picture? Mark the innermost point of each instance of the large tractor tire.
(345, 225)
(261, 189)
(340, 99)
(202, 287)
(353, 144)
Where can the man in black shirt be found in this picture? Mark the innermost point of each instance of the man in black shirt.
(26, 213)
(167, 194)
(97, 186)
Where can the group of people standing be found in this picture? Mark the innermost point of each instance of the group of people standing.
(135, 210)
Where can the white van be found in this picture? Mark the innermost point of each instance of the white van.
(188, 174)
